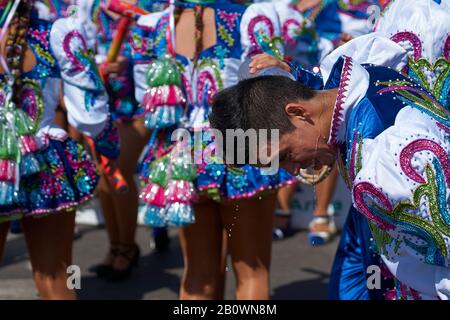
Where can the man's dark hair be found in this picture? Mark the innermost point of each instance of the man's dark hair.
(257, 103)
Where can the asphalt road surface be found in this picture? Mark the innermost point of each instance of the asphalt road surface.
(299, 271)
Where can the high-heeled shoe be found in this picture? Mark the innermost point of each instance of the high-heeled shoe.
(102, 270)
(317, 238)
(130, 253)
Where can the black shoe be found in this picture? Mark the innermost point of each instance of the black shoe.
(282, 233)
(132, 254)
(283, 222)
(103, 270)
(161, 239)
(16, 227)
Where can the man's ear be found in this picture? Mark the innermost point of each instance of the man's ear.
(297, 110)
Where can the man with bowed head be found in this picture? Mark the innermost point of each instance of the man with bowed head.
(390, 137)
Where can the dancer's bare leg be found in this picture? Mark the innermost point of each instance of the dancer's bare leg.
(250, 243)
(109, 216)
(201, 243)
(49, 241)
(284, 197)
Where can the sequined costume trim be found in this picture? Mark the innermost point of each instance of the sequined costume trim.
(337, 119)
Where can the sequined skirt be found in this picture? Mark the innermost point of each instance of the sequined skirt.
(66, 179)
(222, 182)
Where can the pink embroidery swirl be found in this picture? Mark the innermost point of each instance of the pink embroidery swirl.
(411, 38)
(286, 25)
(77, 66)
(251, 29)
(408, 152)
(367, 188)
(28, 96)
(206, 77)
(443, 127)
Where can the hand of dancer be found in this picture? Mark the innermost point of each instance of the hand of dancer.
(117, 67)
(264, 60)
(345, 37)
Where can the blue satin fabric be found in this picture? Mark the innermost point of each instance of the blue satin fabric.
(355, 253)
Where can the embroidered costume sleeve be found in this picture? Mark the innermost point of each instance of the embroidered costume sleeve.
(261, 31)
(84, 93)
(422, 28)
(403, 188)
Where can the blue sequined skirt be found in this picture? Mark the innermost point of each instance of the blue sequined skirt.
(67, 178)
(220, 181)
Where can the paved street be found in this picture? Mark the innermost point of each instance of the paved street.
(298, 270)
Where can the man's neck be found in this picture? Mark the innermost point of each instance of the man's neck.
(327, 100)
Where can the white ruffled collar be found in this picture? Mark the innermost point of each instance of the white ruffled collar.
(352, 81)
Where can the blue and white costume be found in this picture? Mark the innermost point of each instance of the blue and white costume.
(356, 250)
(393, 137)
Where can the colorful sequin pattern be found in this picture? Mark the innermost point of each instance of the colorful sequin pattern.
(412, 94)
(51, 172)
(82, 60)
(141, 43)
(38, 38)
(262, 37)
(107, 141)
(67, 178)
(426, 236)
(209, 81)
(430, 235)
(433, 76)
(32, 101)
(105, 24)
